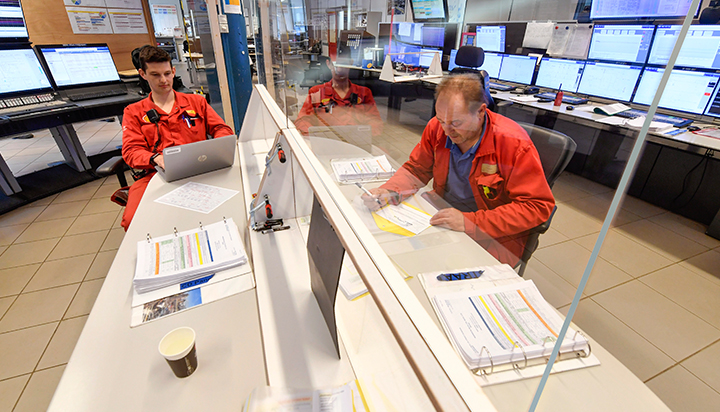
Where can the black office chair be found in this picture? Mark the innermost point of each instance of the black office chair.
(178, 85)
(467, 59)
(555, 150)
(316, 73)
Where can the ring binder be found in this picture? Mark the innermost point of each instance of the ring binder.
(589, 351)
(481, 369)
(515, 365)
(201, 227)
(176, 232)
(148, 237)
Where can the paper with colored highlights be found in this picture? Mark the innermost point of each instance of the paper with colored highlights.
(403, 219)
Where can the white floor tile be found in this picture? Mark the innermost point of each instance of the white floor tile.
(682, 391)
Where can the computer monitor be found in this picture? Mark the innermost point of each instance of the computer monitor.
(408, 59)
(713, 107)
(427, 57)
(686, 91)
(611, 81)
(433, 36)
(612, 9)
(701, 47)
(554, 73)
(491, 64)
(428, 9)
(517, 69)
(12, 22)
(21, 72)
(79, 65)
(621, 43)
(490, 38)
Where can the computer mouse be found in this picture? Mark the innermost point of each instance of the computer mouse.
(693, 128)
(569, 108)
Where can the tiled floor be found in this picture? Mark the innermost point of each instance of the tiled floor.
(653, 299)
(25, 156)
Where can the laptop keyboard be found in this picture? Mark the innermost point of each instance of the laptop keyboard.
(96, 95)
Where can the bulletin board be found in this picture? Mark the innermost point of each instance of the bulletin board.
(47, 23)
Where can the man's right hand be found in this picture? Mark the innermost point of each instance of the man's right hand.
(380, 198)
(160, 161)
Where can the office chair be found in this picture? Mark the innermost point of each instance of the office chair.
(555, 150)
(468, 59)
(178, 85)
(316, 73)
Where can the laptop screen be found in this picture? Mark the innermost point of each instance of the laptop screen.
(21, 71)
(80, 65)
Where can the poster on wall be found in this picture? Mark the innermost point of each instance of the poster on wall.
(165, 19)
(86, 20)
(128, 21)
(124, 4)
(232, 7)
(456, 11)
(85, 3)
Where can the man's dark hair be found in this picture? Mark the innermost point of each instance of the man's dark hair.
(152, 54)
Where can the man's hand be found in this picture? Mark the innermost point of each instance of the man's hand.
(450, 218)
(378, 194)
(160, 161)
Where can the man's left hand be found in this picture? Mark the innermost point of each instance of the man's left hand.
(450, 218)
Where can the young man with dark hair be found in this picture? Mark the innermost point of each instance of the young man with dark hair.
(165, 118)
(483, 164)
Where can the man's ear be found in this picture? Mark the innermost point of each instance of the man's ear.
(481, 110)
(173, 71)
(141, 72)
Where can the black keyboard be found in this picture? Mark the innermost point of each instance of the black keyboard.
(501, 87)
(663, 118)
(96, 95)
(566, 99)
(26, 109)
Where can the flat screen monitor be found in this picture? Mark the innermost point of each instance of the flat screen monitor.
(491, 64)
(621, 43)
(433, 36)
(713, 107)
(427, 57)
(517, 69)
(12, 22)
(611, 81)
(686, 91)
(467, 39)
(554, 73)
(701, 47)
(21, 72)
(451, 64)
(408, 59)
(77, 65)
(622, 9)
(428, 9)
(490, 38)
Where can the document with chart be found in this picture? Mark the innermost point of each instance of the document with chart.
(504, 324)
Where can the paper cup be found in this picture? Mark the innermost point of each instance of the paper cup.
(178, 349)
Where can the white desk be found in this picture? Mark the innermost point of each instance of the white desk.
(118, 368)
(608, 387)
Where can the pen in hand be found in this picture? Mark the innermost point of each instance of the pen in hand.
(367, 192)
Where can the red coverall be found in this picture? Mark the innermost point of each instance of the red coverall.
(506, 166)
(343, 113)
(176, 128)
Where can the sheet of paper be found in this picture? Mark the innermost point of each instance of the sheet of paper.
(404, 29)
(538, 35)
(616, 121)
(197, 196)
(494, 275)
(524, 98)
(578, 42)
(86, 20)
(559, 39)
(126, 21)
(709, 133)
(406, 217)
(87, 3)
(125, 4)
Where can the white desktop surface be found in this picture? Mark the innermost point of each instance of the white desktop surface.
(118, 368)
(608, 387)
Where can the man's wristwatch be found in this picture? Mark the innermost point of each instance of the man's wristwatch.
(152, 159)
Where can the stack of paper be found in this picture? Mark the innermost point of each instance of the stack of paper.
(362, 170)
(503, 324)
(186, 256)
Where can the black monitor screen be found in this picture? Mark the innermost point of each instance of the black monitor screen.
(621, 43)
(12, 22)
(21, 71)
(79, 65)
(623, 9)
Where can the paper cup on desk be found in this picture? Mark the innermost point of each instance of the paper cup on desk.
(178, 349)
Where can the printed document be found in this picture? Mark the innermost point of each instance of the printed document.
(406, 217)
(503, 324)
(197, 196)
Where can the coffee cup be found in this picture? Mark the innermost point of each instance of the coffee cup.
(178, 349)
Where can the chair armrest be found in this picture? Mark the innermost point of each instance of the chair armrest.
(111, 166)
(543, 227)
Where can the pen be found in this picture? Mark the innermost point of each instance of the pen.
(367, 192)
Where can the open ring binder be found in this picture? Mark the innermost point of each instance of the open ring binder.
(481, 369)
(515, 365)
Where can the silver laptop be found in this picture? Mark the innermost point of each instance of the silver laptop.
(196, 158)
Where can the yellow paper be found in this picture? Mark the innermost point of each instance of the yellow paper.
(388, 226)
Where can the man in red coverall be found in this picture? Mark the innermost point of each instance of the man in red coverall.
(339, 102)
(483, 164)
(183, 118)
